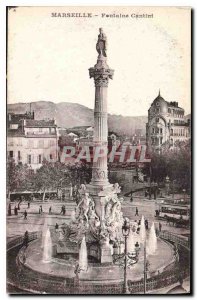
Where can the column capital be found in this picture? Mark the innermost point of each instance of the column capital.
(101, 76)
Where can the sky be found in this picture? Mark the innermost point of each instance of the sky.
(49, 57)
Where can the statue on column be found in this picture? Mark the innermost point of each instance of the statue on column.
(101, 45)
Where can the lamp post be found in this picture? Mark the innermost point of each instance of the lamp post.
(184, 191)
(145, 266)
(150, 172)
(125, 232)
(167, 184)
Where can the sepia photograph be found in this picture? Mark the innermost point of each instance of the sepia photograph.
(98, 166)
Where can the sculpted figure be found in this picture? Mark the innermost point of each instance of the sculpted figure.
(82, 188)
(84, 205)
(101, 45)
(116, 188)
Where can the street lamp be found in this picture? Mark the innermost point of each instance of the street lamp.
(167, 184)
(184, 191)
(145, 266)
(150, 173)
(125, 232)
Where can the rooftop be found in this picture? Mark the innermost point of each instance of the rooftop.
(40, 123)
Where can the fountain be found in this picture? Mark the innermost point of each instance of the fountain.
(152, 241)
(44, 231)
(83, 257)
(98, 219)
(47, 251)
(142, 231)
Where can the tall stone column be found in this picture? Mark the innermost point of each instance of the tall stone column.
(101, 74)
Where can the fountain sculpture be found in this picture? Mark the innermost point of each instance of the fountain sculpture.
(96, 223)
(98, 214)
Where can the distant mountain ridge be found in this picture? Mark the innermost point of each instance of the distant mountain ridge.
(68, 115)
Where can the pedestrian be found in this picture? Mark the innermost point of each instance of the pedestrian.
(25, 215)
(19, 206)
(160, 227)
(9, 210)
(50, 209)
(28, 204)
(131, 198)
(136, 212)
(41, 209)
(146, 224)
(146, 193)
(15, 211)
(56, 226)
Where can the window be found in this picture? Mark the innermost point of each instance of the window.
(153, 130)
(13, 126)
(10, 142)
(51, 130)
(11, 154)
(51, 143)
(19, 155)
(30, 144)
(157, 120)
(161, 140)
(29, 158)
(51, 156)
(39, 158)
(161, 130)
(41, 144)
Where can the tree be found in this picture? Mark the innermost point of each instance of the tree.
(19, 177)
(50, 176)
(176, 164)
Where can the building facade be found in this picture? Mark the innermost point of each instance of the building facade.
(166, 125)
(30, 141)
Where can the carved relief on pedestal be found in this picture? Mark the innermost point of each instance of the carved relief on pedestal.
(98, 174)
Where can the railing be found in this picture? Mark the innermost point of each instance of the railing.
(160, 281)
(174, 238)
(30, 280)
(19, 240)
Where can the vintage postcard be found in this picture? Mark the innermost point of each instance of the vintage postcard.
(98, 150)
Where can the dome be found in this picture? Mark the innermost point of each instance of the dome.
(160, 103)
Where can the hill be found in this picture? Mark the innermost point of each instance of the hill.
(73, 114)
